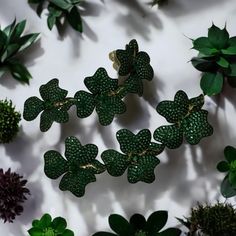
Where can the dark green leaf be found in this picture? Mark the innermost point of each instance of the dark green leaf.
(27, 40)
(229, 51)
(75, 20)
(170, 232)
(222, 62)
(120, 225)
(51, 21)
(3, 41)
(217, 37)
(202, 44)
(232, 179)
(45, 221)
(35, 232)
(19, 72)
(137, 221)
(68, 232)
(8, 30)
(62, 4)
(156, 221)
(222, 166)
(18, 30)
(230, 154)
(211, 83)
(59, 224)
(203, 65)
(226, 189)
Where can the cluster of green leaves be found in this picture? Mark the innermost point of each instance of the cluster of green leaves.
(188, 120)
(139, 226)
(216, 220)
(48, 227)
(228, 185)
(59, 10)
(216, 59)
(78, 169)
(105, 94)
(11, 44)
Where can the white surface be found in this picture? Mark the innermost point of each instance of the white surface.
(185, 175)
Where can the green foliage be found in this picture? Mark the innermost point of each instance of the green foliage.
(188, 120)
(47, 226)
(139, 156)
(139, 226)
(105, 94)
(78, 169)
(9, 121)
(11, 44)
(216, 220)
(216, 59)
(58, 10)
(158, 2)
(228, 186)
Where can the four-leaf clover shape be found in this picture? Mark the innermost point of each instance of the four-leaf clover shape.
(78, 169)
(48, 227)
(139, 156)
(134, 65)
(228, 185)
(188, 118)
(139, 226)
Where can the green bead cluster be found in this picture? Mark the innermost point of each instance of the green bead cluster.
(9, 121)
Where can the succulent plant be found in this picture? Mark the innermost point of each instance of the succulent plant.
(9, 121)
(78, 169)
(11, 44)
(47, 226)
(139, 156)
(12, 195)
(211, 220)
(228, 185)
(58, 10)
(188, 120)
(105, 94)
(139, 226)
(216, 59)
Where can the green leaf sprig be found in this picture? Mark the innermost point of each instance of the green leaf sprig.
(216, 59)
(228, 185)
(47, 226)
(139, 226)
(105, 94)
(11, 44)
(61, 10)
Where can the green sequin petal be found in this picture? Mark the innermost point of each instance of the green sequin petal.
(126, 140)
(45, 121)
(73, 147)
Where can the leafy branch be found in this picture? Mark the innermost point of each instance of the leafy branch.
(11, 44)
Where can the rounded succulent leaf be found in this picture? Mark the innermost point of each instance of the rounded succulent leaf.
(226, 188)
(120, 225)
(223, 166)
(156, 221)
(137, 221)
(59, 224)
(230, 154)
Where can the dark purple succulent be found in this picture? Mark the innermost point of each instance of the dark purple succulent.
(12, 194)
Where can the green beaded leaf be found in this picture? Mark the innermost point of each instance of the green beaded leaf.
(188, 118)
(134, 85)
(176, 110)
(32, 107)
(131, 143)
(169, 135)
(140, 158)
(85, 103)
(142, 169)
(55, 105)
(48, 227)
(100, 82)
(195, 127)
(116, 163)
(79, 166)
(107, 107)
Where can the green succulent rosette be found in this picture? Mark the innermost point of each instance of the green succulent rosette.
(188, 120)
(139, 226)
(78, 167)
(139, 156)
(46, 226)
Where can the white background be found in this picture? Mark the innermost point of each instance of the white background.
(185, 176)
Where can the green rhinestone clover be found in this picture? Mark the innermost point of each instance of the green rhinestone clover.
(228, 186)
(106, 97)
(133, 64)
(48, 227)
(216, 59)
(139, 156)
(139, 226)
(54, 105)
(188, 119)
(79, 167)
